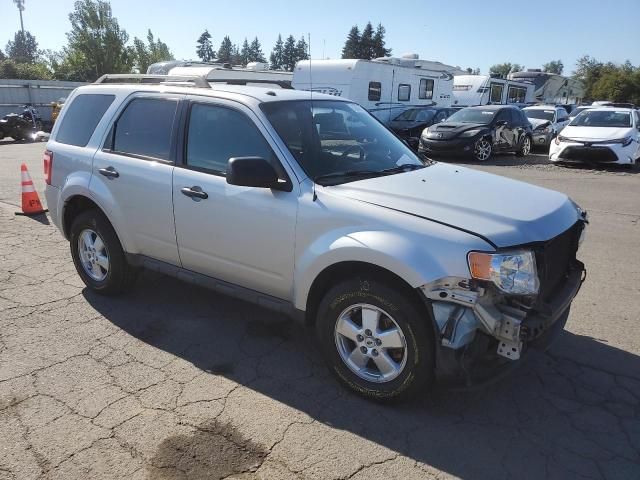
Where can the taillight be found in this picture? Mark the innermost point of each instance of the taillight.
(48, 166)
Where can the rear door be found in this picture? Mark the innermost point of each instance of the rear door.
(133, 172)
(242, 235)
(503, 138)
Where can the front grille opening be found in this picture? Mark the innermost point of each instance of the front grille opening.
(555, 258)
(587, 154)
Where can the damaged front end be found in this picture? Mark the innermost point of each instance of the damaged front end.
(486, 323)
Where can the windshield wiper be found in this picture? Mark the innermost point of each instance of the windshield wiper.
(407, 167)
(347, 174)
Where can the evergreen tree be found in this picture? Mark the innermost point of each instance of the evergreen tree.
(302, 49)
(245, 52)
(366, 49)
(155, 51)
(289, 54)
(352, 45)
(204, 50)
(276, 57)
(23, 48)
(226, 50)
(379, 49)
(255, 50)
(554, 66)
(236, 57)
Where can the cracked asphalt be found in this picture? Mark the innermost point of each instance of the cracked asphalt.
(175, 382)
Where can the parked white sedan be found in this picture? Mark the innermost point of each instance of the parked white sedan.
(599, 135)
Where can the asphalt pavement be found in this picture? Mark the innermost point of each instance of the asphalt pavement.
(175, 382)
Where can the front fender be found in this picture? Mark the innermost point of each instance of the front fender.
(416, 259)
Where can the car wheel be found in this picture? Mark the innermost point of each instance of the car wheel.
(482, 150)
(374, 339)
(98, 255)
(525, 147)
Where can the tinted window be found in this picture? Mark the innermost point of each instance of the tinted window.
(539, 114)
(426, 89)
(375, 91)
(217, 134)
(496, 93)
(144, 128)
(472, 115)
(516, 94)
(404, 92)
(504, 115)
(82, 117)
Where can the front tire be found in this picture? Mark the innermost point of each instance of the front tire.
(525, 147)
(375, 339)
(482, 150)
(98, 255)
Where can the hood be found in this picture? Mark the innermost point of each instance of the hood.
(453, 129)
(539, 122)
(503, 211)
(596, 133)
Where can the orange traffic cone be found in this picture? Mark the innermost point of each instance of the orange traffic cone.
(30, 201)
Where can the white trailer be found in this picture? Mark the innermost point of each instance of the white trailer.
(471, 90)
(384, 86)
(255, 73)
(550, 88)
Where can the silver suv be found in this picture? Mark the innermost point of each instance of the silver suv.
(409, 270)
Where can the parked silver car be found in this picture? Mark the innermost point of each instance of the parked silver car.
(547, 122)
(407, 269)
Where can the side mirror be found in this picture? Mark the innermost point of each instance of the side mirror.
(252, 172)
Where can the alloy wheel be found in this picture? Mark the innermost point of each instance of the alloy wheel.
(526, 146)
(482, 150)
(371, 343)
(93, 255)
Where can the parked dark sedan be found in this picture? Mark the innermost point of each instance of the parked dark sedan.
(410, 123)
(479, 132)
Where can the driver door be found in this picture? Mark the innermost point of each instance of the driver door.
(242, 235)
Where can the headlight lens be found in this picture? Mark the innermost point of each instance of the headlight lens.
(470, 133)
(512, 272)
(624, 141)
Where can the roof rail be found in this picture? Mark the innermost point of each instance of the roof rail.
(197, 81)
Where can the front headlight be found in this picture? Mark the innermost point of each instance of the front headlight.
(512, 272)
(559, 139)
(470, 133)
(624, 141)
(543, 130)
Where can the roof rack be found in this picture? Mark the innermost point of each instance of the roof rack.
(196, 80)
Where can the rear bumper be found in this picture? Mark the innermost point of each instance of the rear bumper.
(52, 194)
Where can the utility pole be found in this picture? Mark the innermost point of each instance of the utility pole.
(20, 5)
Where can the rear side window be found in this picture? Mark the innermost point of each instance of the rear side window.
(375, 91)
(145, 127)
(217, 134)
(82, 117)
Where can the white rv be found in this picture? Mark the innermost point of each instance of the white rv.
(550, 88)
(254, 74)
(471, 90)
(384, 86)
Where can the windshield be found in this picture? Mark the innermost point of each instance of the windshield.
(416, 115)
(472, 115)
(576, 111)
(602, 118)
(540, 114)
(333, 138)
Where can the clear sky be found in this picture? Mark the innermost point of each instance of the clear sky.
(467, 33)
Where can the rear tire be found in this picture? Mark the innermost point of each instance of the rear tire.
(525, 147)
(98, 255)
(390, 361)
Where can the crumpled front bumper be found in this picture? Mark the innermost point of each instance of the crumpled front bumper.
(477, 341)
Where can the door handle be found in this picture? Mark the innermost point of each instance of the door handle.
(109, 172)
(194, 192)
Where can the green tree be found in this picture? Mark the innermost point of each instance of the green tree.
(367, 48)
(473, 71)
(245, 52)
(24, 71)
(289, 54)
(152, 52)
(236, 58)
(226, 50)
(504, 69)
(554, 66)
(2, 56)
(204, 47)
(302, 49)
(96, 45)
(255, 52)
(379, 49)
(351, 47)
(277, 55)
(23, 48)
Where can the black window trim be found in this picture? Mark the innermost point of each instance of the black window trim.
(181, 159)
(404, 85)
(433, 86)
(107, 144)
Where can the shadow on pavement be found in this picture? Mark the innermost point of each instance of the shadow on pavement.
(570, 413)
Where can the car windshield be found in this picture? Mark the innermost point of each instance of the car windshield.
(338, 140)
(472, 115)
(416, 115)
(602, 118)
(539, 114)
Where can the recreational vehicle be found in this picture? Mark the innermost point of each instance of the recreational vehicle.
(385, 86)
(550, 88)
(472, 90)
(255, 73)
